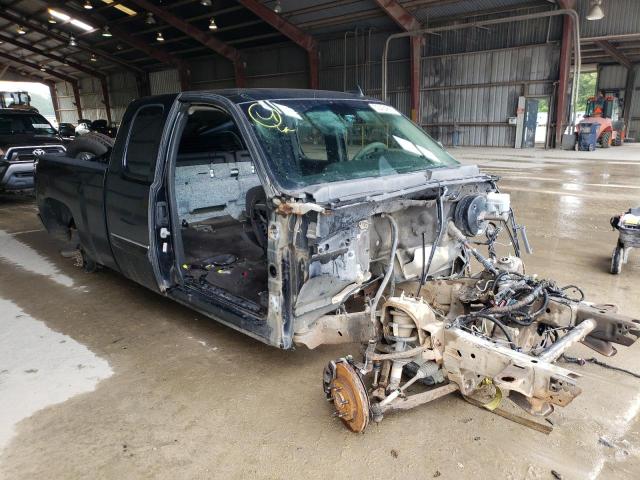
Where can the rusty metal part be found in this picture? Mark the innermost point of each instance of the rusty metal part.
(350, 398)
(539, 427)
(576, 335)
(412, 401)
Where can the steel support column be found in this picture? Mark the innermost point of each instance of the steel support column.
(563, 78)
(76, 96)
(105, 98)
(405, 20)
(54, 99)
(416, 59)
(628, 96)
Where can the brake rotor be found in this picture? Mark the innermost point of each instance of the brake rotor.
(349, 397)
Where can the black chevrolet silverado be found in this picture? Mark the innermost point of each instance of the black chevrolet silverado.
(24, 135)
(290, 215)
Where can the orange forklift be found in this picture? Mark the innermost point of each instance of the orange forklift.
(602, 123)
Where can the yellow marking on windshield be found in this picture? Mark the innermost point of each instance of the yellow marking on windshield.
(274, 120)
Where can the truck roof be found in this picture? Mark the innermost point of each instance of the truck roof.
(241, 95)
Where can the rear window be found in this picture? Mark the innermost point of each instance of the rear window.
(144, 142)
(20, 123)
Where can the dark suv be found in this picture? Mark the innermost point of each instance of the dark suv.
(24, 135)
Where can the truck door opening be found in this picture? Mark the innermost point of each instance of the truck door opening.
(221, 209)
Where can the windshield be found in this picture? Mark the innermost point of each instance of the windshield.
(315, 141)
(31, 123)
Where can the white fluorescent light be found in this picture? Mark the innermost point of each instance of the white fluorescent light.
(59, 15)
(82, 25)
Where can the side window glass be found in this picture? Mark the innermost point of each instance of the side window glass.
(144, 142)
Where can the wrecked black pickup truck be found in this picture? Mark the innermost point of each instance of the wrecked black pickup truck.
(309, 217)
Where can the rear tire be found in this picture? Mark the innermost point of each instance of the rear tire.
(90, 146)
(618, 141)
(605, 140)
(616, 260)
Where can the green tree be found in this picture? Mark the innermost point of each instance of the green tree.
(588, 83)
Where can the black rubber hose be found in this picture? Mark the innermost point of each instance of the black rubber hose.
(525, 302)
(496, 322)
(434, 245)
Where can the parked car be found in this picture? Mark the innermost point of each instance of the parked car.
(97, 126)
(288, 214)
(24, 135)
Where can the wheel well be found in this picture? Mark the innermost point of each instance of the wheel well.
(57, 219)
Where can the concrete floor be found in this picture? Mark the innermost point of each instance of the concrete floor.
(100, 378)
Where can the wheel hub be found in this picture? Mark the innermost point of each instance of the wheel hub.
(349, 397)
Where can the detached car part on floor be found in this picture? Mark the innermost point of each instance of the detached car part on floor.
(307, 218)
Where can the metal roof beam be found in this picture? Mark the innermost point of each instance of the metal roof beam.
(612, 51)
(37, 27)
(290, 31)
(399, 14)
(205, 38)
(119, 33)
(52, 56)
(36, 67)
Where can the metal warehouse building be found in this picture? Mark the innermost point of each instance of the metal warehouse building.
(461, 83)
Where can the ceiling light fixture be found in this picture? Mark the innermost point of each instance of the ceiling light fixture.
(159, 37)
(52, 20)
(150, 20)
(212, 24)
(106, 32)
(72, 41)
(84, 26)
(93, 57)
(87, 5)
(59, 15)
(119, 46)
(42, 69)
(21, 30)
(277, 7)
(205, 3)
(595, 10)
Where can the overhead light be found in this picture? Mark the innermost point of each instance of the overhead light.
(59, 15)
(84, 26)
(150, 20)
(595, 11)
(212, 24)
(159, 37)
(106, 32)
(277, 7)
(67, 18)
(119, 46)
(21, 30)
(52, 20)
(87, 5)
(205, 3)
(125, 9)
(72, 41)
(93, 57)
(42, 69)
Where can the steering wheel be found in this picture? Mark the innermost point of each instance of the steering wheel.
(368, 149)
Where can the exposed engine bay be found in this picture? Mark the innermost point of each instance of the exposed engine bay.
(420, 283)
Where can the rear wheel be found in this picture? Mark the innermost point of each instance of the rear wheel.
(617, 260)
(90, 146)
(605, 140)
(619, 140)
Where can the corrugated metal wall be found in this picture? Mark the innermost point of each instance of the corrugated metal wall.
(164, 81)
(615, 77)
(475, 94)
(90, 99)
